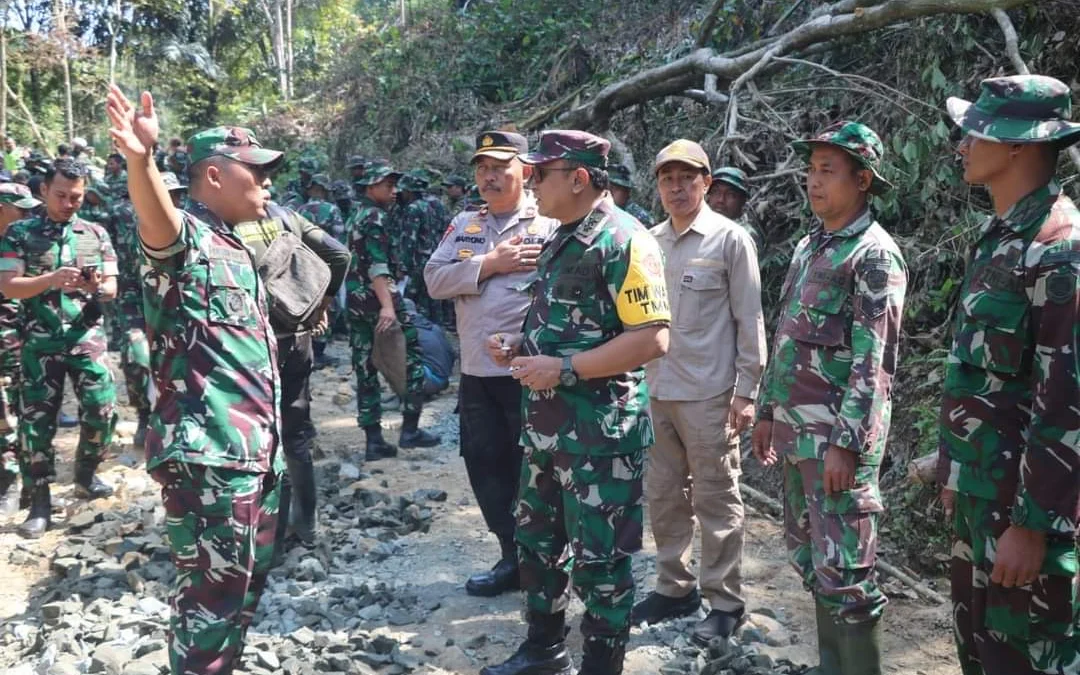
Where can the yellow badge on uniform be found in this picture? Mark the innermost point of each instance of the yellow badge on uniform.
(533, 229)
(464, 253)
(643, 297)
(473, 228)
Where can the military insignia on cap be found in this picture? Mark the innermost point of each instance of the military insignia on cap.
(487, 141)
(473, 228)
(464, 253)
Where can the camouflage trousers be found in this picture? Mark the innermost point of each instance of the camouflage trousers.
(368, 393)
(45, 364)
(1014, 631)
(832, 539)
(579, 518)
(135, 362)
(11, 373)
(221, 525)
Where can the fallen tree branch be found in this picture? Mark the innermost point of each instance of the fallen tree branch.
(685, 73)
(776, 509)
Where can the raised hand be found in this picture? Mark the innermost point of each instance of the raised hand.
(134, 129)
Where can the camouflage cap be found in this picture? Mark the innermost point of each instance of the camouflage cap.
(413, 181)
(684, 152)
(341, 190)
(99, 189)
(308, 165)
(454, 179)
(356, 162)
(17, 195)
(376, 171)
(171, 182)
(235, 143)
(323, 181)
(571, 145)
(1018, 109)
(856, 139)
(500, 145)
(619, 174)
(732, 176)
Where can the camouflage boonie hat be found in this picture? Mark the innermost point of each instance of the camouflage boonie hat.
(856, 139)
(323, 181)
(571, 145)
(17, 195)
(99, 189)
(413, 181)
(308, 165)
(356, 162)
(500, 145)
(1018, 109)
(729, 175)
(171, 182)
(235, 143)
(684, 152)
(341, 190)
(376, 171)
(619, 174)
(459, 181)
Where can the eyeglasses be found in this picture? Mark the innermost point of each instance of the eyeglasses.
(539, 172)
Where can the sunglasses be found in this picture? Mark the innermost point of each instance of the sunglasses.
(540, 173)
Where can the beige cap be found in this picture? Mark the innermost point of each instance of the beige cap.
(682, 150)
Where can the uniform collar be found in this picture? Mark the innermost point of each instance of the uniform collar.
(856, 227)
(203, 213)
(1028, 211)
(592, 224)
(364, 200)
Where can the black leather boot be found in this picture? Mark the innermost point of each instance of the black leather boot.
(411, 435)
(282, 528)
(302, 475)
(500, 578)
(89, 486)
(139, 441)
(542, 653)
(40, 517)
(603, 658)
(377, 447)
(657, 607)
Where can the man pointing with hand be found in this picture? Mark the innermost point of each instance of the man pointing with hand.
(483, 263)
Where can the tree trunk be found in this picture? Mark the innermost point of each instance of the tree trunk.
(61, 35)
(289, 46)
(279, 49)
(114, 28)
(3, 68)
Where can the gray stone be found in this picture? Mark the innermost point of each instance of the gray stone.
(144, 667)
(303, 636)
(349, 472)
(371, 612)
(68, 567)
(152, 607)
(267, 659)
(110, 660)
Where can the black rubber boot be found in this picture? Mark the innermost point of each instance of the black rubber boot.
(412, 436)
(657, 607)
(542, 653)
(377, 447)
(282, 529)
(302, 475)
(139, 441)
(602, 658)
(89, 486)
(828, 648)
(10, 488)
(860, 647)
(40, 517)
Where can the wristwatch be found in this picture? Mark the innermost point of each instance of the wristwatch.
(567, 376)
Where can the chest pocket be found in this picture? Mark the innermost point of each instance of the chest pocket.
(575, 305)
(41, 255)
(87, 250)
(820, 319)
(701, 289)
(231, 293)
(991, 331)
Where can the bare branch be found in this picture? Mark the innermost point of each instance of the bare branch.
(1012, 47)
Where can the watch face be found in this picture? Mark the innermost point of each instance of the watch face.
(567, 379)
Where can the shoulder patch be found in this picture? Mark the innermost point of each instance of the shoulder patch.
(877, 279)
(643, 297)
(1061, 286)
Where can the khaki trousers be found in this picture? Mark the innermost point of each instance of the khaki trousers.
(693, 470)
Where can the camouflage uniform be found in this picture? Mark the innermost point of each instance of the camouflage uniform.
(325, 215)
(99, 213)
(214, 429)
(619, 174)
(828, 383)
(581, 481)
(296, 190)
(736, 178)
(63, 335)
(410, 229)
(135, 350)
(1010, 426)
(114, 181)
(342, 193)
(369, 243)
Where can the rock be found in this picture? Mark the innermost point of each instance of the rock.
(303, 636)
(349, 472)
(267, 659)
(476, 642)
(371, 612)
(311, 568)
(455, 661)
(70, 568)
(53, 611)
(152, 607)
(144, 667)
(110, 660)
(82, 520)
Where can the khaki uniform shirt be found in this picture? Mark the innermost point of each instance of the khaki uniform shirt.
(497, 304)
(717, 336)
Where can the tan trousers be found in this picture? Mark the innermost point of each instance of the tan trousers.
(693, 470)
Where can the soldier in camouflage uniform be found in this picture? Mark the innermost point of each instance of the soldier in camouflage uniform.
(177, 190)
(825, 402)
(341, 193)
(411, 222)
(427, 240)
(456, 187)
(62, 268)
(321, 211)
(213, 438)
(622, 184)
(96, 206)
(599, 313)
(728, 194)
(1009, 458)
(376, 306)
(115, 174)
(296, 191)
(15, 204)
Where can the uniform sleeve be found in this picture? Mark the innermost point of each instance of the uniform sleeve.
(12, 252)
(448, 276)
(323, 244)
(879, 289)
(375, 241)
(636, 281)
(745, 296)
(109, 265)
(1049, 492)
(160, 257)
